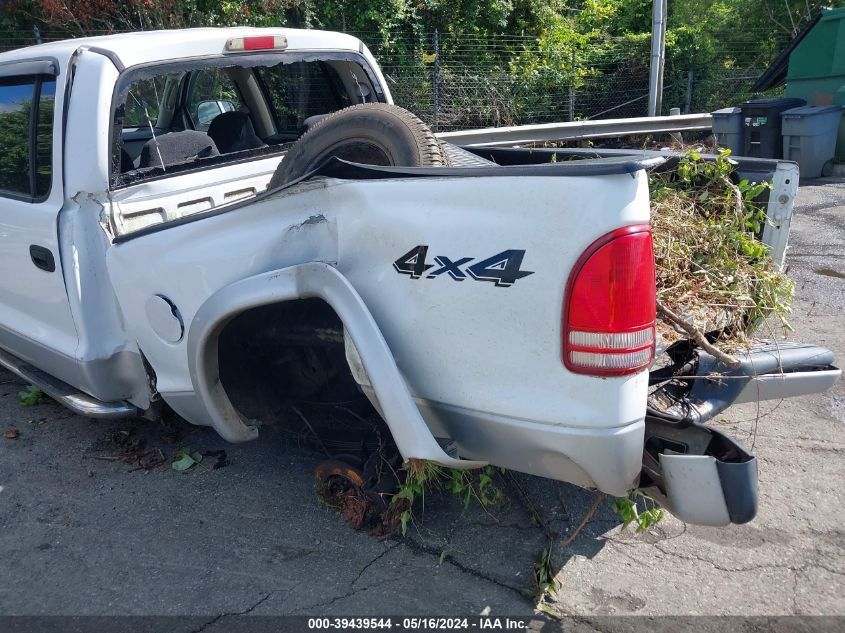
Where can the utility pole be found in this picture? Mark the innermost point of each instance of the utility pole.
(435, 84)
(572, 89)
(665, 12)
(688, 102)
(658, 54)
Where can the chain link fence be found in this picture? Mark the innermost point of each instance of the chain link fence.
(460, 82)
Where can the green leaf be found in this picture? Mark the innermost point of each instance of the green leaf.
(185, 459)
(544, 608)
(183, 463)
(31, 396)
(405, 516)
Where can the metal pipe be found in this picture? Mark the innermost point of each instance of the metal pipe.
(655, 80)
(659, 101)
(573, 130)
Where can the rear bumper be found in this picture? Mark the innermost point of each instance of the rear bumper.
(607, 459)
(711, 480)
(789, 385)
(699, 474)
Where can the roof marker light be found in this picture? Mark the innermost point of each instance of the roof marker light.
(256, 43)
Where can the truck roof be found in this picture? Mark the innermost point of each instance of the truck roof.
(150, 46)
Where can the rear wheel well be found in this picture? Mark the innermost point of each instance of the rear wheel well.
(286, 361)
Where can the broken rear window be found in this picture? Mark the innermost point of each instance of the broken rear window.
(302, 90)
(196, 114)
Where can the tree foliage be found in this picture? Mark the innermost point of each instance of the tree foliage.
(562, 44)
(388, 17)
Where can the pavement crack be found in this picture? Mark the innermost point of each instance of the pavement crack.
(227, 614)
(352, 591)
(253, 607)
(701, 559)
(373, 562)
(417, 547)
(830, 570)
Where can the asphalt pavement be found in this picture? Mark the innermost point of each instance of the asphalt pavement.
(82, 532)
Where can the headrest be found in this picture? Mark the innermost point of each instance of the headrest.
(233, 132)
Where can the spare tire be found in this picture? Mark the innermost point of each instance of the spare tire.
(369, 133)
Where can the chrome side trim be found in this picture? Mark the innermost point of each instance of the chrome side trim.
(116, 377)
(78, 402)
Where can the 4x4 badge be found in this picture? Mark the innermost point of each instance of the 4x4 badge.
(502, 268)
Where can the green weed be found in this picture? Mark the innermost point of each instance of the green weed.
(466, 485)
(629, 510)
(31, 396)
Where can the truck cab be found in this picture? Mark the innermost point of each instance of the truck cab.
(107, 135)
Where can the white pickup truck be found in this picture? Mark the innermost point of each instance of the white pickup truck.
(228, 221)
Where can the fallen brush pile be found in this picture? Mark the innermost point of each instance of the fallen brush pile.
(713, 272)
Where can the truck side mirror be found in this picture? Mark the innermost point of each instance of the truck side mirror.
(207, 110)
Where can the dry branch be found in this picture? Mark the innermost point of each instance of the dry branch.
(698, 337)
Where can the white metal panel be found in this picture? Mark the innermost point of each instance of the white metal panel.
(779, 210)
(469, 344)
(102, 338)
(157, 201)
(88, 145)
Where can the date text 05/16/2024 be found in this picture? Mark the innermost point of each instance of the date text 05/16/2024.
(478, 623)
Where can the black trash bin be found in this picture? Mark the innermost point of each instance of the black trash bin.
(761, 126)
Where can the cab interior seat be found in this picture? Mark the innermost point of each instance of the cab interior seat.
(234, 132)
(177, 147)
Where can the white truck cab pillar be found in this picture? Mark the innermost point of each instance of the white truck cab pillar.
(110, 366)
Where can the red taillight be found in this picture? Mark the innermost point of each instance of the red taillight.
(609, 307)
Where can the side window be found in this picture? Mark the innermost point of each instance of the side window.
(43, 154)
(26, 136)
(211, 92)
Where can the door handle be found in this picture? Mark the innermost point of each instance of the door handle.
(42, 258)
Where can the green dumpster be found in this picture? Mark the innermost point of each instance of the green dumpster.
(817, 67)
